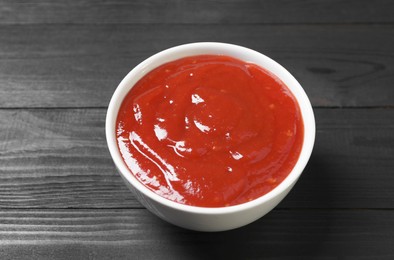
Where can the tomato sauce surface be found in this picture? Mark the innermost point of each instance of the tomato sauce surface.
(210, 131)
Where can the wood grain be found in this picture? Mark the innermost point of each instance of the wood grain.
(196, 12)
(57, 158)
(125, 234)
(80, 66)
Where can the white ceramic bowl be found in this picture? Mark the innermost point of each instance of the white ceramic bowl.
(201, 218)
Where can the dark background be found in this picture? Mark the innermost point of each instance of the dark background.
(60, 61)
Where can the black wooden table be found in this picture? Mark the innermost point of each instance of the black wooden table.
(60, 61)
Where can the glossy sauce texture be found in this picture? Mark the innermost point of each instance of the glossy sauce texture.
(210, 131)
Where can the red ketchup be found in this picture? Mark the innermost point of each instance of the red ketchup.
(210, 131)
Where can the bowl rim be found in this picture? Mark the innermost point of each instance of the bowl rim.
(219, 48)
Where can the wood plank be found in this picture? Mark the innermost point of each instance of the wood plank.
(197, 12)
(57, 158)
(80, 66)
(125, 234)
